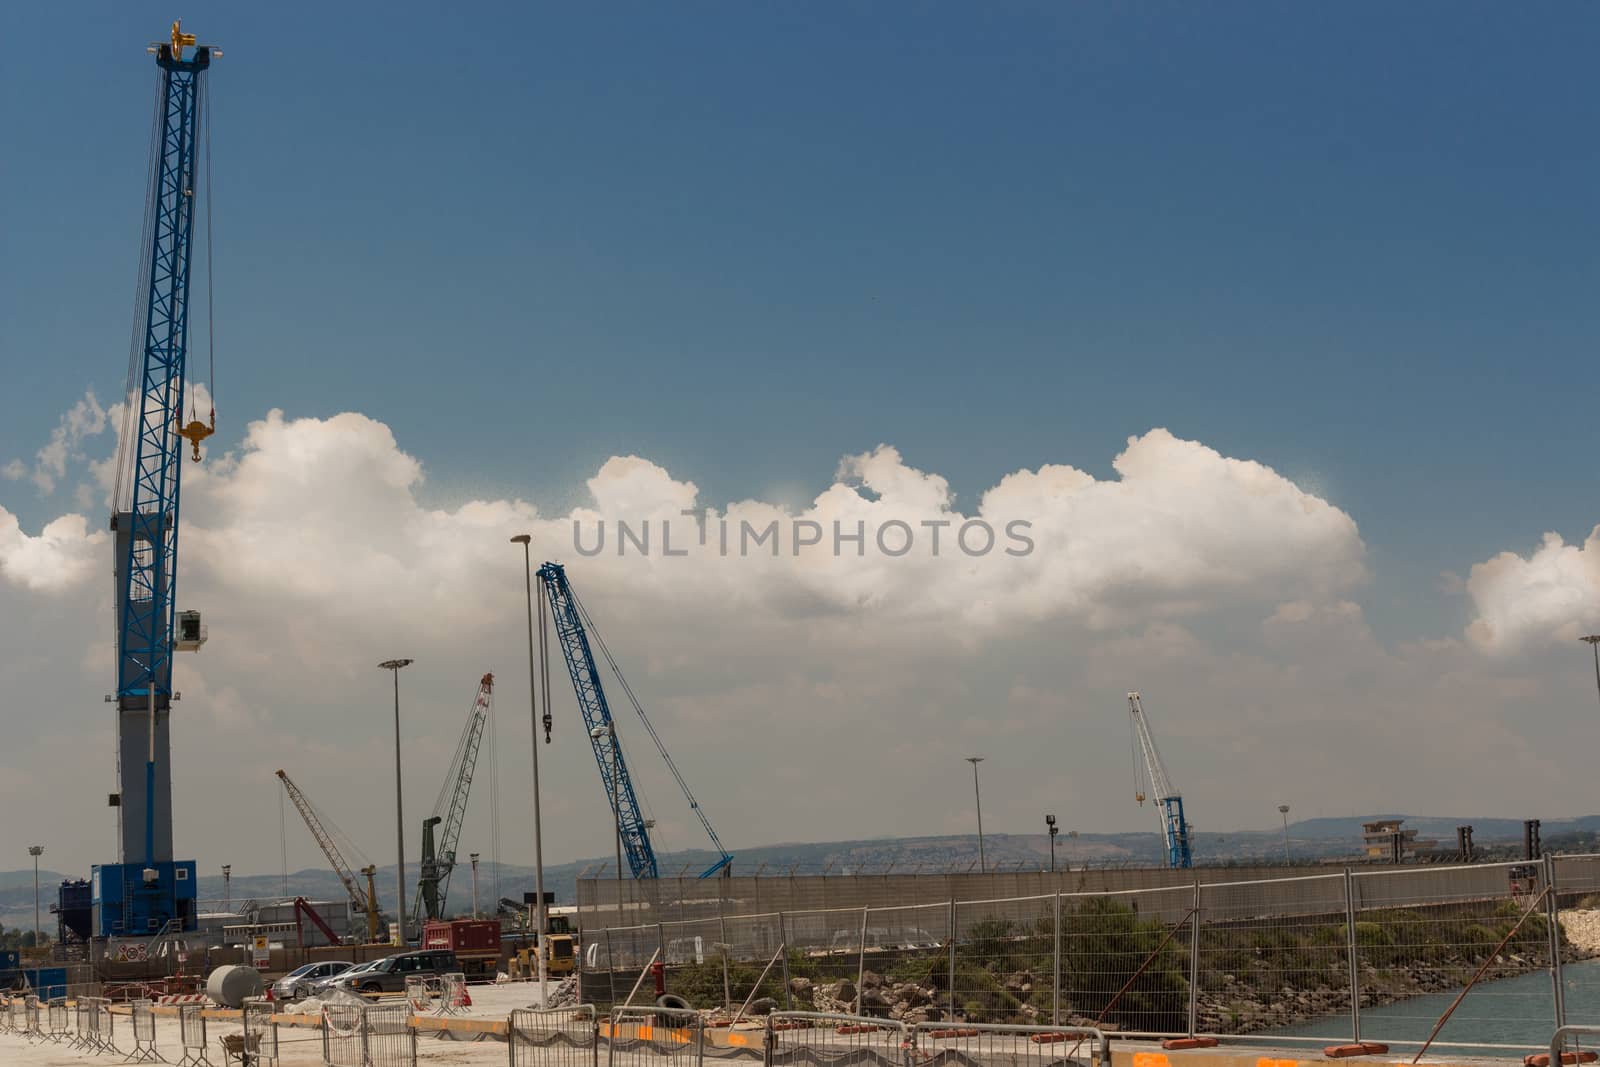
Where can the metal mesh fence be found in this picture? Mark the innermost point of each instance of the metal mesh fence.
(559, 1037)
(1272, 953)
(33, 1023)
(823, 1039)
(341, 1036)
(192, 1035)
(58, 1019)
(144, 1031)
(1414, 939)
(260, 1033)
(1004, 965)
(653, 1037)
(979, 1045)
(391, 1041)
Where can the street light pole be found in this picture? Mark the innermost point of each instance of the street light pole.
(1283, 809)
(1594, 642)
(1050, 822)
(474, 858)
(393, 666)
(35, 851)
(227, 886)
(983, 866)
(541, 941)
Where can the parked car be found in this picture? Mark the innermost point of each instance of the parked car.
(322, 985)
(389, 975)
(299, 982)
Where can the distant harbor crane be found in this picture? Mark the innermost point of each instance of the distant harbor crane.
(368, 904)
(1170, 804)
(450, 811)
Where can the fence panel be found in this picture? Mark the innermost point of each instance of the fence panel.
(654, 1037)
(1005, 960)
(144, 1031)
(34, 1017)
(1416, 937)
(391, 1041)
(977, 1045)
(260, 1033)
(824, 1039)
(1125, 959)
(192, 1035)
(58, 1019)
(342, 1036)
(559, 1037)
(1274, 954)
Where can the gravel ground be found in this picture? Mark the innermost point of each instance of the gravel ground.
(1582, 928)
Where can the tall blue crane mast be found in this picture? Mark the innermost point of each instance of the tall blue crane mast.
(573, 630)
(1169, 803)
(146, 891)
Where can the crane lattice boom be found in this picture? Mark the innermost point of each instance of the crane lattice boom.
(1168, 801)
(324, 841)
(573, 630)
(450, 811)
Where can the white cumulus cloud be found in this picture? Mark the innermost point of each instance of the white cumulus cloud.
(1551, 594)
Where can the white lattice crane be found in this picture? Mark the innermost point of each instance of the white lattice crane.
(365, 904)
(1167, 799)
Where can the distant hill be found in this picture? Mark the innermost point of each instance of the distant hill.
(1310, 840)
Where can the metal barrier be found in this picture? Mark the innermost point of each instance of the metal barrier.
(192, 1035)
(420, 992)
(558, 1037)
(58, 1019)
(818, 1039)
(452, 994)
(934, 1044)
(342, 1035)
(389, 1039)
(35, 1024)
(368, 1035)
(657, 1037)
(1558, 1042)
(144, 1032)
(260, 1033)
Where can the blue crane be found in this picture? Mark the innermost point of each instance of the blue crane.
(146, 891)
(1173, 826)
(573, 631)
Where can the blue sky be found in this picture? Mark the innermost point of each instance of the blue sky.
(1354, 242)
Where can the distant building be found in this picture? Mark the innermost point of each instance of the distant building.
(1378, 839)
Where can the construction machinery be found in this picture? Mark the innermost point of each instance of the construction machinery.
(146, 891)
(368, 904)
(449, 811)
(574, 628)
(1168, 802)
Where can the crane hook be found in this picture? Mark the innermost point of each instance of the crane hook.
(197, 431)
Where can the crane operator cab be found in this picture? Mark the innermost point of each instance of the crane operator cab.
(191, 632)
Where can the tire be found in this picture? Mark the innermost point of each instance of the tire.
(372, 987)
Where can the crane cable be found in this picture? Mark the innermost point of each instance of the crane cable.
(639, 708)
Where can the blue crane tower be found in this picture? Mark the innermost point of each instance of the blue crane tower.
(573, 630)
(146, 892)
(1170, 804)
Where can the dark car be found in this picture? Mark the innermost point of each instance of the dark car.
(389, 975)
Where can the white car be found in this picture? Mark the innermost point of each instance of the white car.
(299, 982)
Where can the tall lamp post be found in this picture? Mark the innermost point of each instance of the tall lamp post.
(983, 866)
(35, 851)
(1283, 809)
(393, 666)
(227, 886)
(1050, 822)
(474, 858)
(540, 938)
(1594, 642)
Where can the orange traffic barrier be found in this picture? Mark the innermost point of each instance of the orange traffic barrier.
(961, 1031)
(1178, 1044)
(1543, 1060)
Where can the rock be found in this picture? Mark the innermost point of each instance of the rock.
(844, 992)
(800, 988)
(762, 1006)
(871, 980)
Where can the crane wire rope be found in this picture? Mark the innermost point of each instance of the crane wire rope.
(648, 725)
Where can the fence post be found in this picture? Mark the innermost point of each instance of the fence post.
(783, 940)
(952, 959)
(861, 960)
(611, 970)
(1553, 920)
(1055, 987)
(1355, 963)
(1194, 958)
